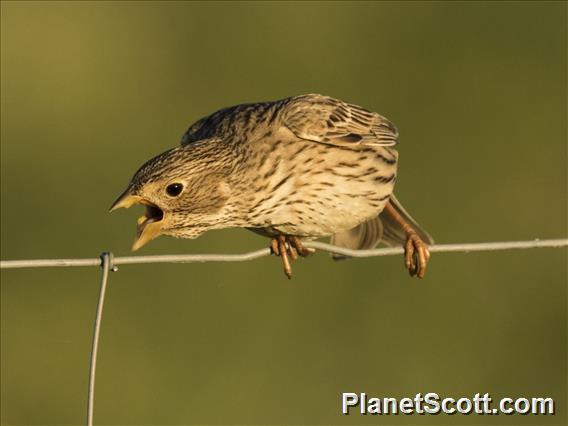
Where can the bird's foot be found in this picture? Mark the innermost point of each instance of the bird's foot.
(296, 243)
(416, 255)
(287, 247)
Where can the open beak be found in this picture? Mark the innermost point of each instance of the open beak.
(125, 200)
(149, 225)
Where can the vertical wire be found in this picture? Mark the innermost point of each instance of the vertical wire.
(106, 262)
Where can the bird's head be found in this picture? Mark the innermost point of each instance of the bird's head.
(183, 190)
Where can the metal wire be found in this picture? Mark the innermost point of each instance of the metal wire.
(188, 258)
(106, 264)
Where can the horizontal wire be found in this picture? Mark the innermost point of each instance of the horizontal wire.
(242, 257)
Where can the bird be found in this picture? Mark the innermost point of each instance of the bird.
(293, 170)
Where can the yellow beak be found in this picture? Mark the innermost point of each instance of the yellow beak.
(149, 226)
(125, 200)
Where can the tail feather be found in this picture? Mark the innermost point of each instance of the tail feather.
(362, 237)
(393, 233)
(383, 229)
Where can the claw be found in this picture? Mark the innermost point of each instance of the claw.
(284, 255)
(293, 252)
(274, 247)
(416, 255)
(416, 252)
(296, 243)
(289, 247)
(409, 256)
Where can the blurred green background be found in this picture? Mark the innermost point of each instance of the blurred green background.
(91, 90)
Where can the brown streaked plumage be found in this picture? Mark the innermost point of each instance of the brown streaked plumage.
(303, 167)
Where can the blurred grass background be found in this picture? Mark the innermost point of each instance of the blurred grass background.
(91, 90)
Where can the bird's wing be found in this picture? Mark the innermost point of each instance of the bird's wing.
(331, 121)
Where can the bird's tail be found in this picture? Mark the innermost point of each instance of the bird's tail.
(382, 229)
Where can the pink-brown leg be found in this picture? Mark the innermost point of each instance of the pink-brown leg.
(274, 246)
(288, 247)
(296, 243)
(416, 252)
(284, 255)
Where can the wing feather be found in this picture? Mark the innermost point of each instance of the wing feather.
(327, 120)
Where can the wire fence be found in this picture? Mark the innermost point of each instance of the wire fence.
(109, 263)
(243, 257)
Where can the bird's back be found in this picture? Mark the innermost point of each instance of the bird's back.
(308, 165)
(239, 121)
(312, 117)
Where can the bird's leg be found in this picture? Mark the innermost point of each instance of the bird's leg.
(288, 247)
(416, 252)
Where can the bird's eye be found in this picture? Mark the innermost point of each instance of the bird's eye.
(174, 189)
